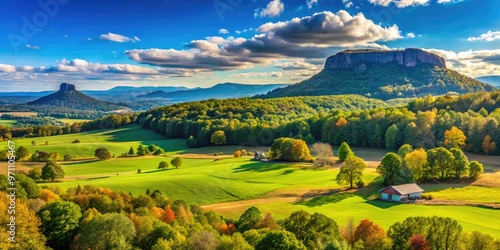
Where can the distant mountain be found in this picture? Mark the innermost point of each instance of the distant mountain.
(493, 80)
(116, 91)
(219, 91)
(384, 75)
(70, 98)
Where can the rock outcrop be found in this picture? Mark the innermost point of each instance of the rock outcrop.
(67, 87)
(361, 59)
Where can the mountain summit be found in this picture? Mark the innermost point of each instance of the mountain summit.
(384, 74)
(68, 97)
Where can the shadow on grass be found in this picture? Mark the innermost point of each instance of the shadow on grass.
(325, 199)
(383, 204)
(157, 170)
(288, 171)
(80, 162)
(96, 178)
(260, 167)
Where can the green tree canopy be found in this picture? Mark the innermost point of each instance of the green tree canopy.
(60, 220)
(344, 151)
(351, 171)
(102, 153)
(52, 171)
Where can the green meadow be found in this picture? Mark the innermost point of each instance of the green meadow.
(230, 185)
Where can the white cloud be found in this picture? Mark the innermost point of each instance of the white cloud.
(311, 3)
(273, 9)
(448, 1)
(488, 36)
(311, 37)
(223, 31)
(6, 68)
(473, 63)
(400, 3)
(347, 3)
(410, 35)
(118, 38)
(29, 46)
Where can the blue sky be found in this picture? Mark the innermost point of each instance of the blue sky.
(106, 43)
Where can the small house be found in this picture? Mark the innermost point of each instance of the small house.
(401, 193)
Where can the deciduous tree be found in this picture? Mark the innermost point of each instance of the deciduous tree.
(344, 151)
(60, 220)
(176, 162)
(454, 138)
(351, 171)
(218, 138)
(102, 153)
(52, 171)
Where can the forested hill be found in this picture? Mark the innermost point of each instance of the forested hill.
(355, 119)
(203, 117)
(384, 75)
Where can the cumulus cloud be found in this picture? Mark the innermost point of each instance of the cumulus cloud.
(311, 3)
(473, 63)
(488, 36)
(410, 35)
(273, 9)
(400, 3)
(118, 38)
(311, 37)
(29, 46)
(331, 29)
(223, 31)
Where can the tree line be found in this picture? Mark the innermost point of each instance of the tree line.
(259, 122)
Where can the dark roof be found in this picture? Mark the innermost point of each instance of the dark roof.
(405, 189)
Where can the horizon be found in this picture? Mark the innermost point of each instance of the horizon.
(98, 46)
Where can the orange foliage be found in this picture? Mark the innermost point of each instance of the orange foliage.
(369, 232)
(166, 215)
(228, 229)
(418, 242)
(237, 154)
(341, 122)
(48, 196)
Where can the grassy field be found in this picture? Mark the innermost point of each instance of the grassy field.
(7, 122)
(229, 186)
(71, 121)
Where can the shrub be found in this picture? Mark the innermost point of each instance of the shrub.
(139, 171)
(76, 141)
(237, 154)
(68, 157)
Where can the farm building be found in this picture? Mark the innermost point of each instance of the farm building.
(401, 193)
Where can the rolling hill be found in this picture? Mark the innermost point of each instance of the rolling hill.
(384, 75)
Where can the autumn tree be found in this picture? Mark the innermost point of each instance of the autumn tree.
(475, 169)
(351, 171)
(418, 242)
(176, 162)
(102, 153)
(237, 154)
(218, 138)
(344, 151)
(488, 145)
(323, 153)
(52, 171)
(60, 220)
(289, 149)
(371, 235)
(454, 138)
(416, 161)
(27, 226)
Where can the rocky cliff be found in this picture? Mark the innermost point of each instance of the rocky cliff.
(67, 87)
(361, 59)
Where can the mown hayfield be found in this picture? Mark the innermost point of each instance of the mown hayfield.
(71, 120)
(7, 122)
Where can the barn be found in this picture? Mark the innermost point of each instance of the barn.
(401, 193)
